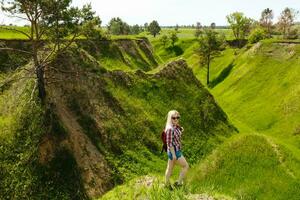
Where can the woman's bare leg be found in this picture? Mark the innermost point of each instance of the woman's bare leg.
(169, 170)
(184, 168)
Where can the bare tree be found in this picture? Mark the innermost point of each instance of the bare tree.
(267, 16)
(286, 21)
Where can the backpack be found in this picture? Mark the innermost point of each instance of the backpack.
(164, 140)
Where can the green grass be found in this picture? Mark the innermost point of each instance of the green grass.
(254, 85)
(123, 112)
(257, 85)
(152, 187)
(22, 126)
(189, 33)
(185, 48)
(247, 167)
(262, 89)
(249, 93)
(258, 88)
(121, 54)
(11, 35)
(261, 95)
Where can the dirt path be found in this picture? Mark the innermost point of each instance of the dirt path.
(280, 157)
(147, 182)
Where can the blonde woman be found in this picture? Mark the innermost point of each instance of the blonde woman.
(173, 138)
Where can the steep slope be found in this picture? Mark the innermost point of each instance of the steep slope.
(22, 127)
(101, 127)
(262, 89)
(123, 54)
(123, 113)
(10, 60)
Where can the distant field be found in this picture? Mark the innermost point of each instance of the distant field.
(10, 34)
(189, 33)
(182, 33)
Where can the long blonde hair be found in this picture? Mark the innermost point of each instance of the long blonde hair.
(171, 113)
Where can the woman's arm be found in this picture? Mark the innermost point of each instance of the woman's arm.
(181, 129)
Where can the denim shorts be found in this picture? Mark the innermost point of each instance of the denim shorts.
(177, 153)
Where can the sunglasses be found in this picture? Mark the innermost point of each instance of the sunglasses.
(176, 117)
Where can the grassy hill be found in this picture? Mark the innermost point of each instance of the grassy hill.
(258, 87)
(101, 127)
(122, 53)
(249, 167)
(246, 166)
(107, 107)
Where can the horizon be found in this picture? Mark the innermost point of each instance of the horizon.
(160, 11)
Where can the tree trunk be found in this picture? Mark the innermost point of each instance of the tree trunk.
(269, 31)
(39, 71)
(41, 83)
(208, 63)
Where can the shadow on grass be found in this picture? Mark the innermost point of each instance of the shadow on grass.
(176, 49)
(225, 72)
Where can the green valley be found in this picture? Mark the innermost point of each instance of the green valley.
(84, 103)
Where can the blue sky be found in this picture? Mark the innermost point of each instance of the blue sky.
(172, 12)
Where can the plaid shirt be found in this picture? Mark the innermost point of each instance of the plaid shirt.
(174, 137)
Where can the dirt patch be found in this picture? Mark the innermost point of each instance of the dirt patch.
(145, 46)
(146, 181)
(253, 50)
(199, 197)
(178, 70)
(47, 149)
(94, 169)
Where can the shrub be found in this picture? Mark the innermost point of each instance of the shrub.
(293, 34)
(256, 35)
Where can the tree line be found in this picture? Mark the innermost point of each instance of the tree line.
(211, 43)
(241, 26)
(117, 26)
